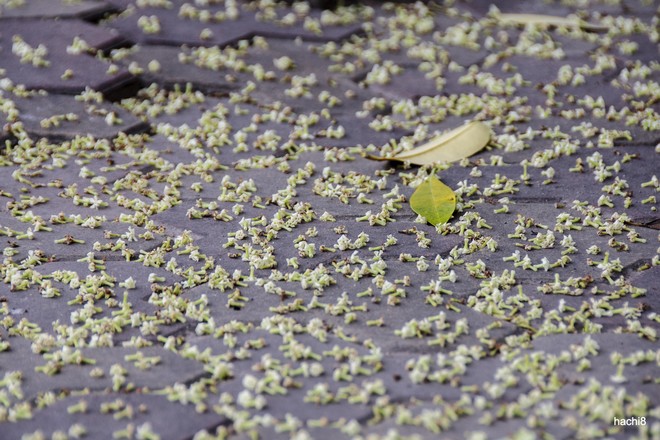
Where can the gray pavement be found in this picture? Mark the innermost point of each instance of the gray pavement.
(195, 245)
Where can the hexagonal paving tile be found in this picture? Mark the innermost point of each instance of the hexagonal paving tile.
(85, 10)
(60, 117)
(35, 54)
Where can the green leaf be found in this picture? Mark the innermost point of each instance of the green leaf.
(434, 201)
(550, 20)
(452, 146)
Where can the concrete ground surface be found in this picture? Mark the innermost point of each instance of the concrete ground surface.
(195, 245)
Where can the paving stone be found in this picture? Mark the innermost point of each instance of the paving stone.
(484, 321)
(482, 7)
(40, 116)
(277, 405)
(358, 132)
(356, 129)
(98, 424)
(392, 343)
(331, 32)
(55, 36)
(412, 84)
(224, 32)
(172, 72)
(170, 368)
(86, 10)
(31, 305)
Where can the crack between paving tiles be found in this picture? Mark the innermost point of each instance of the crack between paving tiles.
(184, 330)
(104, 255)
(649, 144)
(534, 281)
(95, 17)
(535, 199)
(93, 391)
(408, 350)
(138, 127)
(411, 351)
(102, 392)
(363, 421)
(632, 267)
(310, 38)
(224, 422)
(650, 224)
(125, 87)
(395, 216)
(194, 379)
(163, 41)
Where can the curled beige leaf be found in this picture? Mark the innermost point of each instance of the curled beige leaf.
(452, 146)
